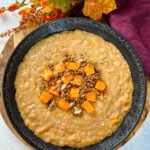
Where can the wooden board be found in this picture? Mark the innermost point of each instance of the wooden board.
(8, 49)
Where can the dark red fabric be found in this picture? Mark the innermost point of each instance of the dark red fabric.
(132, 20)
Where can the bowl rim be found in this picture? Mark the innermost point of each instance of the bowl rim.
(86, 20)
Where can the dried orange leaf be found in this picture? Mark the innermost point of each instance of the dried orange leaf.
(92, 9)
(95, 8)
(108, 6)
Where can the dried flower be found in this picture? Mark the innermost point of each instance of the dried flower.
(25, 11)
(14, 6)
(41, 11)
(47, 9)
(54, 15)
(2, 9)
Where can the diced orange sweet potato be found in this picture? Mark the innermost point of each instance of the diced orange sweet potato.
(77, 80)
(46, 74)
(74, 93)
(45, 97)
(67, 78)
(63, 104)
(89, 70)
(88, 106)
(91, 96)
(54, 90)
(58, 68)
(73, 65)
(100, 85)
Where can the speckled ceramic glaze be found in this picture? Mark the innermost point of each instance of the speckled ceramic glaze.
(90, 26)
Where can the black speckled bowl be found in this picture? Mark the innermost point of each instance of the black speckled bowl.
(108, 34)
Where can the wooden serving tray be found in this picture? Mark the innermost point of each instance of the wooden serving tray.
(4, 56)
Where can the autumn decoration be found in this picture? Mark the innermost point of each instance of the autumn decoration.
(42, 11)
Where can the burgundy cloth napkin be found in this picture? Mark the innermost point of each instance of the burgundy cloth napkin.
(132, 20)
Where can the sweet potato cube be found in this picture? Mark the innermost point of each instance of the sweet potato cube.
(46, 74)
(63, 104)
(54, 90)
(45, 97)
(89, 70)
(91, 96)
(100, 85)
(67, 78)
(58, 68)
(88, 106)
(73, 66)
(74, 93)
(77, 80)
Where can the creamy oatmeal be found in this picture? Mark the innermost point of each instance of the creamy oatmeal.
(73, 120)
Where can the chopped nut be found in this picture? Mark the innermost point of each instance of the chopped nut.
(83, 96)
(101, 97)
(63, 87)
(83, 64)
(72, 104)
(51, 105)
(77, 110)
(81, 71)
(80, 60)
(89, 82)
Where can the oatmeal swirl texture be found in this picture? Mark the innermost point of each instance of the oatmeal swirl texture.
(73, 89)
